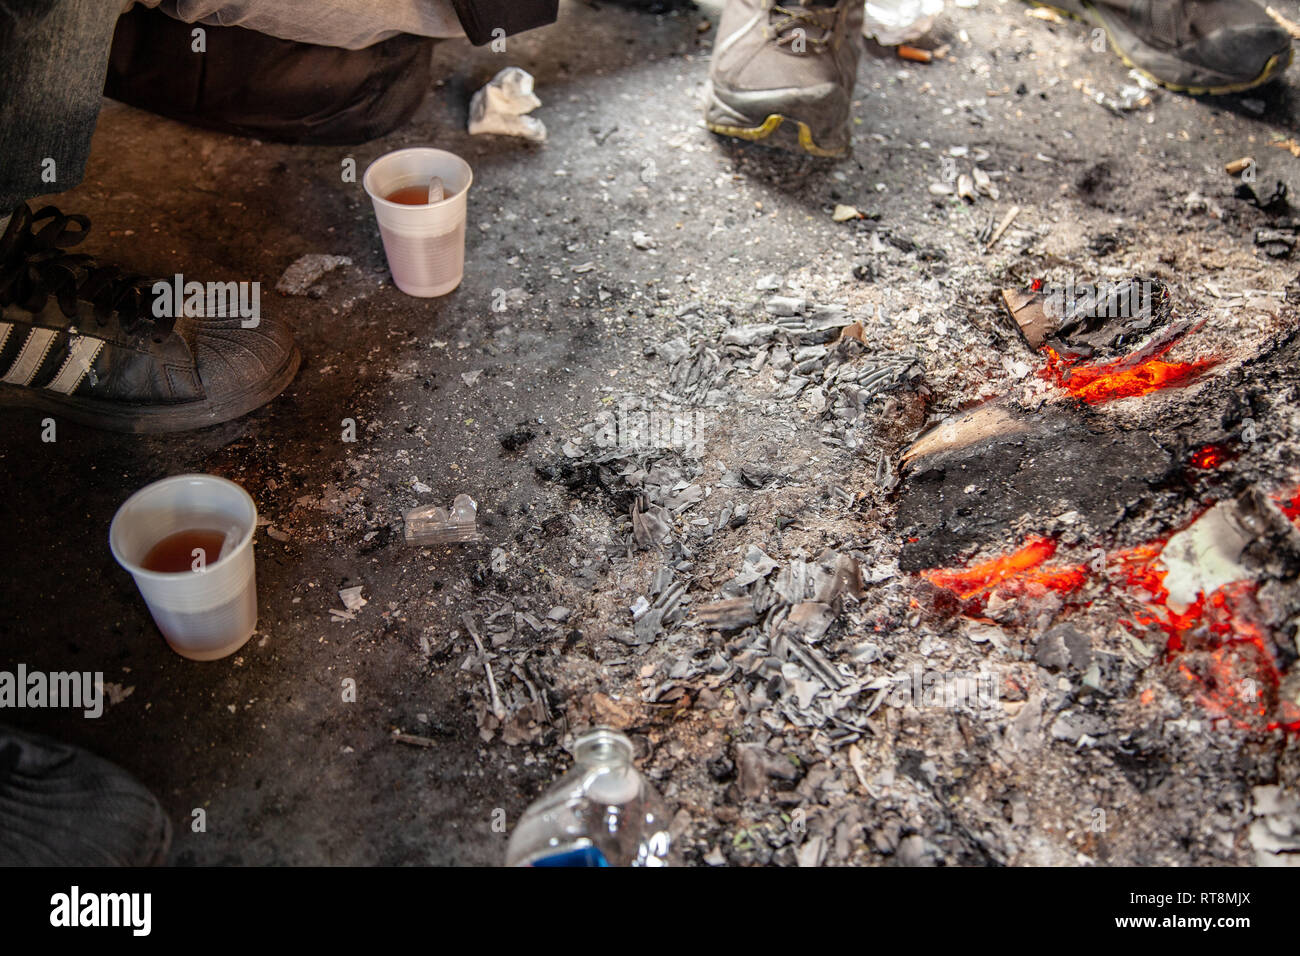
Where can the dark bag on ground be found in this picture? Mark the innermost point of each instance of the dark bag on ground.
(261, 86)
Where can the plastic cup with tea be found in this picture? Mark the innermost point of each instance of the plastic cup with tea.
(424, 241)
(188, 543)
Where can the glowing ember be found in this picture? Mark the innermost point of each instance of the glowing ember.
(1220, 648)
(969, 582)
(1216, 644)
(1209, 457)
(1238, 678)
(1123, 378)
(1290, 504)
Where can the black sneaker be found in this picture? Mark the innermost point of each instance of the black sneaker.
(80, 340)
(63, 806)
(1190, 46)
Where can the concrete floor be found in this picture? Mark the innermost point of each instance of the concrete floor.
(286, 771)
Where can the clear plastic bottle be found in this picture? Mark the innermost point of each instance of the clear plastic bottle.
(601, 813)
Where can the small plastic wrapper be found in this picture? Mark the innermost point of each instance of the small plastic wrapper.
(502, 106)
(436, 525)
(893, 22)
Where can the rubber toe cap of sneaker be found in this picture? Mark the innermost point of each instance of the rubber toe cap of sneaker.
(231, 358)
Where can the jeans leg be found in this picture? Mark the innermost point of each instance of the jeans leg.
(53, 56)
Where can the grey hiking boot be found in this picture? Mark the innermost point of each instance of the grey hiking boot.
(786, 67)
(88, 342)
(63, 806)
(1190, 46)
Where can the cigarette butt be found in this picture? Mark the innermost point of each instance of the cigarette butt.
(1289, 26)
(1238, 166)
(914, 54)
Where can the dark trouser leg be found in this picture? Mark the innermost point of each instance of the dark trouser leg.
(53, 54)
(481, 18)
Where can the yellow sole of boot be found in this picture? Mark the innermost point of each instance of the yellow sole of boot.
(770, 126)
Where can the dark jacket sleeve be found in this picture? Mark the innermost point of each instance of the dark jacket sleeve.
(481, 17)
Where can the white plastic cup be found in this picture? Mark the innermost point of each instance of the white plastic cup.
(425, 245)
(204, 615)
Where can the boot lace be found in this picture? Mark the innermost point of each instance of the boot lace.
(35, 266)
(791, 22)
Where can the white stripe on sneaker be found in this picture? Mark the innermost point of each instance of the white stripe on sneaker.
(81, 356)
(5, 329)
(30, 358)
(730, 41)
